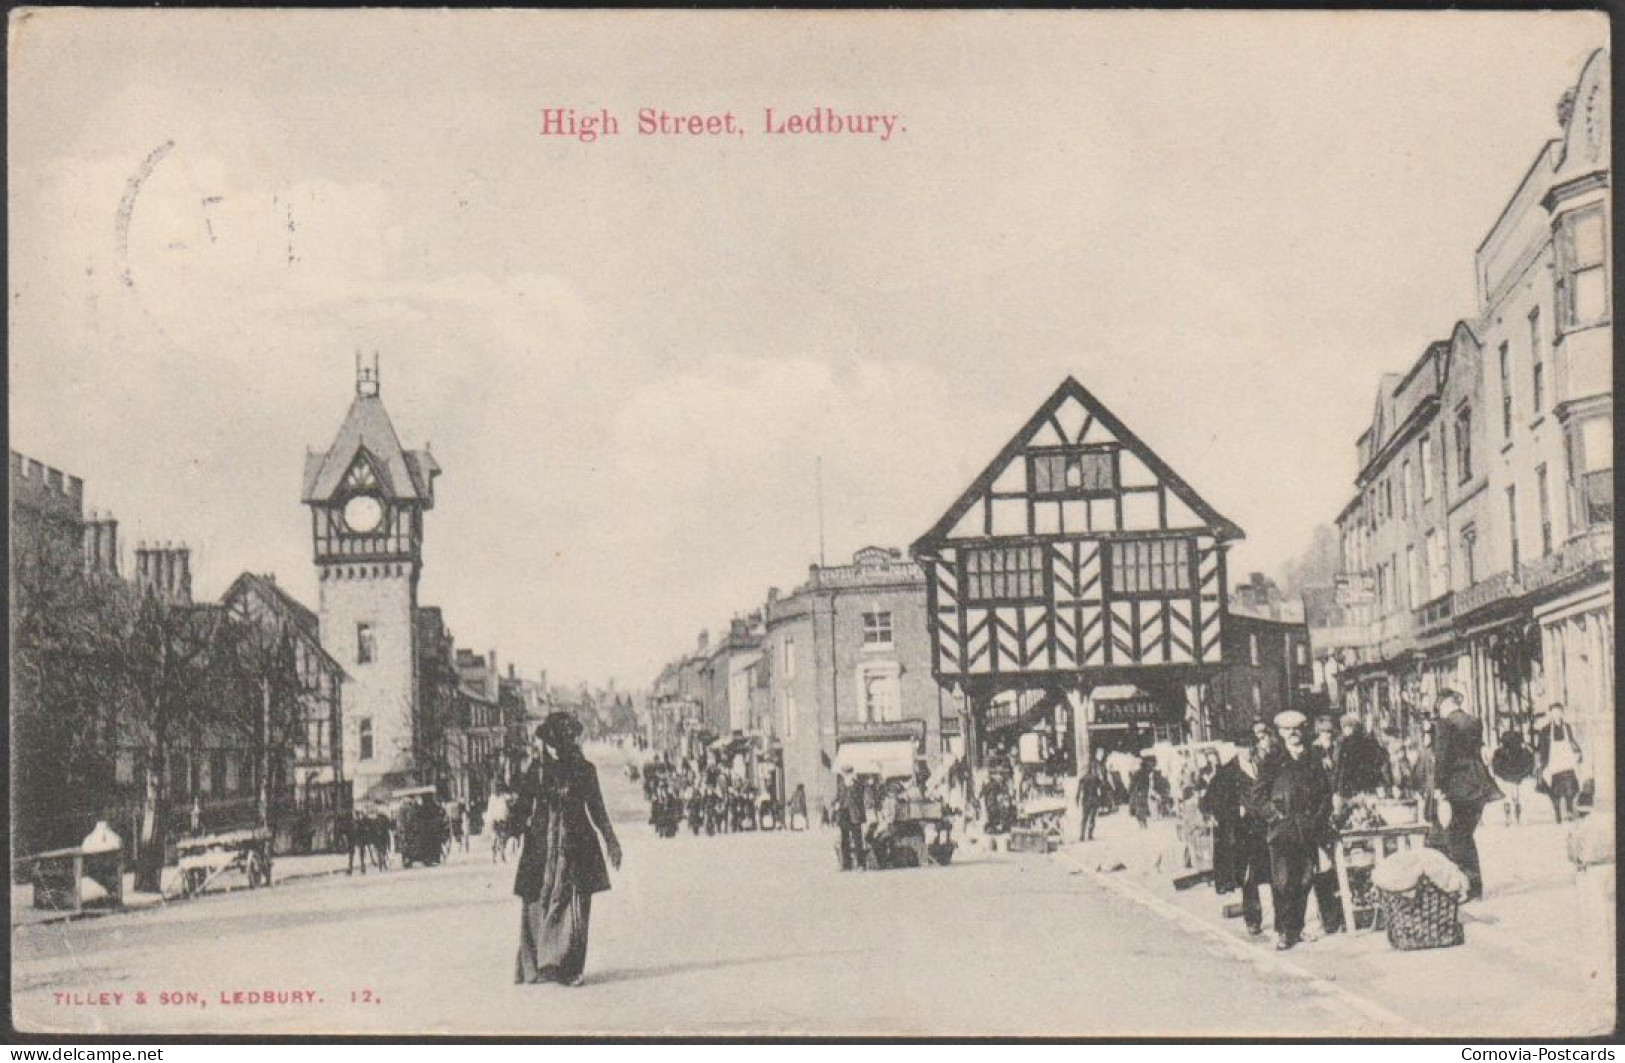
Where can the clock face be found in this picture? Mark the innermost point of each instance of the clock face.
(363, 514)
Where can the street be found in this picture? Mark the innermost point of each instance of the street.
(737, 934)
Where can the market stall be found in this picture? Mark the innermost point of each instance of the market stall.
(1374, 830)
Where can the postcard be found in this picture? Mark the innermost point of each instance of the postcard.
(806, 523)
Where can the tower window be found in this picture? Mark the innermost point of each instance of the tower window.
(364, 730)
(365, 649)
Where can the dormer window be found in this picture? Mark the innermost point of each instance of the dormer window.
(1073, 472)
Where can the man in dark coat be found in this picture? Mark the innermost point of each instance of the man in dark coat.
(1464, 783)
(1361, 764)
(850, 817)
(1091, 795)
(1293, 796)
(1241, 856)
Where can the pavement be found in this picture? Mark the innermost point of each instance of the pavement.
(1529, 965)
(761, 935)
(284, 869)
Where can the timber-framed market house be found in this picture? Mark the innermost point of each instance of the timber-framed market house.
(1076, 591)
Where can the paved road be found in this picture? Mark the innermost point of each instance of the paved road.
(748, 934)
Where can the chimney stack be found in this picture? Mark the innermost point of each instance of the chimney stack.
(101, 545)
(181, 590)
(110, 546)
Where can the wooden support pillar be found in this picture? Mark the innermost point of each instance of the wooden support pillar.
(1196, 698)
(975, 714)
(1083, 710)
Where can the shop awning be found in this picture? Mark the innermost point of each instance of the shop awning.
(1118, 692)
(888, 759)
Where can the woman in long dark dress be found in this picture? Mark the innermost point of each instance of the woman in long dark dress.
(562, 810)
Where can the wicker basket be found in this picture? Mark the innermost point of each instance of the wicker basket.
(1423, 917)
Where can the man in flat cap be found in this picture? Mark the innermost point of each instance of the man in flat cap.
(1293, 796)
(1463, 782)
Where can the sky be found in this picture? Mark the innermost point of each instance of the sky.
(630, 355)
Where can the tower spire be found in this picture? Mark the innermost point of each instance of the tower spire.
(366, 377)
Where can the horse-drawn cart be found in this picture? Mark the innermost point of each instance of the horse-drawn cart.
(421, 830)
(205, 859)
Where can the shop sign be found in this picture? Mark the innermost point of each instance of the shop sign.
(1355, 589)
(1138, 710)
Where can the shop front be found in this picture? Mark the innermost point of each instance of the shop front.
(1127, 719)
(1577, 633)
(885, 749)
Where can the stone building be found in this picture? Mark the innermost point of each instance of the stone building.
(368, 497)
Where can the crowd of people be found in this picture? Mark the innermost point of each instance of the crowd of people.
(1276, 806)
(712, 800)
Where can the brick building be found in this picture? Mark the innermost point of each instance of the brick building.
(850, 668)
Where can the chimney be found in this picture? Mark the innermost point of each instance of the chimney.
(101, 545)
(180, 589)
(110, 546)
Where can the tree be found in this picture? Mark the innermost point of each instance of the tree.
(1317, 566)
(264, 697)
(160, 663)
(61, 691)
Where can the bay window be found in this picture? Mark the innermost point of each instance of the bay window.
(1582, 248)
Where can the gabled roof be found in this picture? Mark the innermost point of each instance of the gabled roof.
(298, 614)
(1070, 389)
(405, 475)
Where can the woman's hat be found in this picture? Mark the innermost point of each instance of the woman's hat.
(560, 728)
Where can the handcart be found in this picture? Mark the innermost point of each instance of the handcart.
(205, 859)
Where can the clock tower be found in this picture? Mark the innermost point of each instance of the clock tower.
(367, 497)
